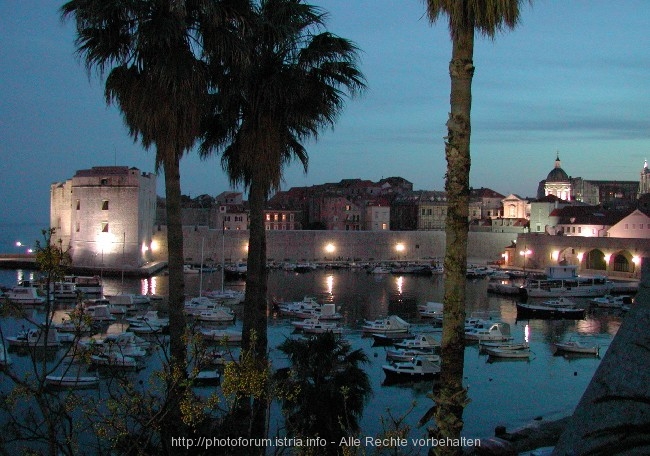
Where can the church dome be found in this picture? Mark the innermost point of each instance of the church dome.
(557, 174)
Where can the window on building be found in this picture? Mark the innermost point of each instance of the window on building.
(384, 226)
(104, 227)
(284, 217)
(77, 227)
(579, 230)
(291, 217)
(105, 205)
(78, 204)
(275, 217)
(626, 226)
(103, 181)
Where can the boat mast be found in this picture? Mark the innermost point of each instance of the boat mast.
(201, 270)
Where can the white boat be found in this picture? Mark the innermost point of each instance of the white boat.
(323, 327)
(207, 377)
(222, 335)
(72, 325)
(115, 360)
(612, 302)
(216, 315)
(506, 353)
(300, 324)
(89, 285)
(392, 324)
(71, 381)
(419, 342)
(199, 304)
(565, 281)
(573, 346)
(417, 369)
(408, 354)
(25, 294)
(431, 310)
(99, 313)
(552, 308)
(64, 290)
(503, 345)
(33, 338)
(308, 306)
(489, 331)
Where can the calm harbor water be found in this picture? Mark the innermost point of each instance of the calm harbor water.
(510, 393)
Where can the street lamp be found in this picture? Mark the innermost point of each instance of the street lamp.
(400, 248)
(525, 253)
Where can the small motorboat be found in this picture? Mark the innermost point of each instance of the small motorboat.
(392, 324)
(71, 381)
(573, 346)
(207, 377)
(420, 341)
(523, 353)
(405, 354)
(488, 331)
(611, 302)
(419, 368)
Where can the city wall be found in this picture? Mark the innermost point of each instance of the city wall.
(302, 245)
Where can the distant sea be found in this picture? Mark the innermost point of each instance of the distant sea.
(27, 233)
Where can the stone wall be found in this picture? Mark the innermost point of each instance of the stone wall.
(305, 245)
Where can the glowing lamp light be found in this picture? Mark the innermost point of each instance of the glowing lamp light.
(155, 246)
(246, 247)
(636, 260)
(399, 247)
(329, 248)
(555, 255)
(580, 256)
(144, 248)
(19, 244)
(607, 258)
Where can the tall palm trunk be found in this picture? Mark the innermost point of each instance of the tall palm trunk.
(171, 424)
(171, 166)
(451, 398)
(255, 307)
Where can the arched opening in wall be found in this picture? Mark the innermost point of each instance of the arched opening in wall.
(595, 259)
(622, 263)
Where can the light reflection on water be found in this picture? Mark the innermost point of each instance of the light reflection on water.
(510, 393)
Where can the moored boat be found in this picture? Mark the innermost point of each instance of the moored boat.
(573, 346)
(417, 369)
(488, 331)
(392, 324)
(611, 302)
(506, 353)
(564, 281)
(71, 381)
(561, 308)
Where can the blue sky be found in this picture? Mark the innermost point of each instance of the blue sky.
(572, 78)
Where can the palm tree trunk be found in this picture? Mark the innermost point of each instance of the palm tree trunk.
(175, 258)
(255, 308)
(177, 346)
(452, 397)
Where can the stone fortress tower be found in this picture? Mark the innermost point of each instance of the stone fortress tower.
(105, 215)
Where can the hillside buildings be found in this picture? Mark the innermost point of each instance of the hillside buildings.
(105, 215)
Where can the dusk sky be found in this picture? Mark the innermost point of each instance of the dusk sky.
(572, 79)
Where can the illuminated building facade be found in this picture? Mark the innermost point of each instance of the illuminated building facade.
(105, 216)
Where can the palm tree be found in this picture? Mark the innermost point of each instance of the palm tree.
(291, 81)
(465, 17)
(150, 51)
(292, 84)
(325, 389)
